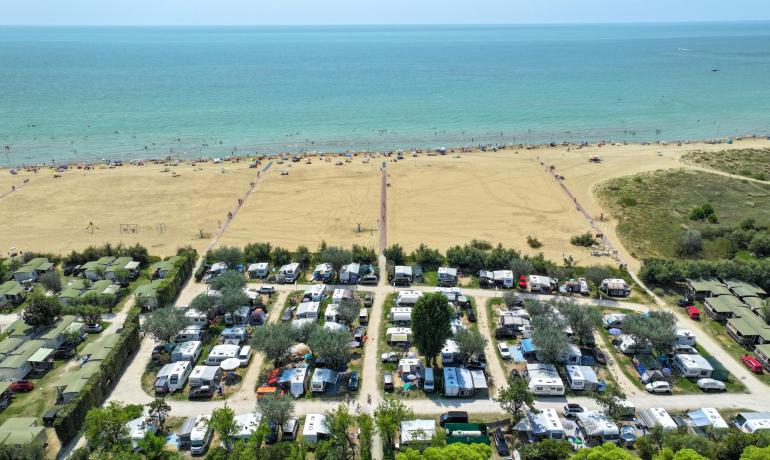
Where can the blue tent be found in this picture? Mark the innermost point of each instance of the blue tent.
(527, 346)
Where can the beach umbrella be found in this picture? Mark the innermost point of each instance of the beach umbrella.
(615, 331)
(230, 364)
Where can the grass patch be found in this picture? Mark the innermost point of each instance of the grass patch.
(719, 333)
(654, 224)
(754, 163)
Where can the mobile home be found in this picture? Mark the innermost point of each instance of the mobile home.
(308, 310)
(187, 351)
(447, 276)
(503, 278)
(657, 416)
(200, 436)
(615, 287)
(401, 315)
(693, 366)
(684, 337)
(544, 424)
(398, 335)
(700, 289)
(408, 298)
(315, 428)
(323, 272)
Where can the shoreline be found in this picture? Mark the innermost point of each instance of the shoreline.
(171, 160)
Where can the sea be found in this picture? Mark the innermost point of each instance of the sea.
(92, 93)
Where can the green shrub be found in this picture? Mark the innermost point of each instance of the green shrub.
(534, 243)
(586, 240)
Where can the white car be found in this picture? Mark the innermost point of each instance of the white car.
(658, 387)
(505, 352)
(266, 289)
(711, 385)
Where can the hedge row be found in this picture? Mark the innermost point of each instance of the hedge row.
(71, 416)
(665, 272)
(171, 286)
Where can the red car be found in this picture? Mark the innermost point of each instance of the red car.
(752, 363)
(523, 282)
(21, 386)
(692, 312)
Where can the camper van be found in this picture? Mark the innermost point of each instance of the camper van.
(172, 377)
(288, 273)
(187, 351)
(258, 270)
(185, 431)
(503, 278)
(220, 353)
(190, 333)
(244, 356)
(363, 316)
(200, 436)
(428, 383)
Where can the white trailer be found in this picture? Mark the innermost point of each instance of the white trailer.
(298, 381)
(258, 270)
(408, 298)
(401, 315)
(657, 416)
(544, 380)
(187, 351)
(220, 353)
(503, 278)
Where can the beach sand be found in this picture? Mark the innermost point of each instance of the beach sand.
(501, 197)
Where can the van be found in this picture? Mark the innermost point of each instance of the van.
(290, 429)
(363, 316)
(429, 384)
(245, 355)
(388, 381)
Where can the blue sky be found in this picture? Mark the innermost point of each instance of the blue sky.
(288, 12)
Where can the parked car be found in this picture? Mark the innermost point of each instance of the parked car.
(658, 387)
(501, 445)
(572, 409)
(287, 314)
(64, 353)
(390, 357)
(505, 352)
(475, 365)
(752, 363)
(683, 302)
(92, 328)
(453, 416)
(523, 282)
(692, 312)
(387, 381)
(200, 393)
(359, 334)
(600, 356)
(471, 315)
(711, 385)
(368, 300)
(22, 386)
(266, 289)
(353, 381)
(505, 333)
(370, 280)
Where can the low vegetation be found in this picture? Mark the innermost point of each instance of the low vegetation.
(754, 163)
(674, 214)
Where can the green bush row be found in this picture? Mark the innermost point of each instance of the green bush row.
(171, 286)
(663, 272)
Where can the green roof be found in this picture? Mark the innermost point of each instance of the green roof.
(19, 328)
(764, 349)
(97, 353)
(78, 284)
(88, 369)
(119, 263)
(148, 290)
(76, 385)
(747, 291)
(735, 284)
(106, 260)
(38, 263)
(705, 284)
(750, 325)
(60, 327)
(724, 303)
(70, 293)
(10, 344)
(21, 437)
(109, 341)
(91, 265)
(98, 286)
(68, 378)
(11, 287)
(17, 361)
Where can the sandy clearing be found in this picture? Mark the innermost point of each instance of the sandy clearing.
(314, 203)
(51, 214)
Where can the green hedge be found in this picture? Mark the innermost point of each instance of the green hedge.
(171, 286)
(71, 416)
(663, 272)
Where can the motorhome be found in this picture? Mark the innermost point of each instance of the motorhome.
(172, 377)
(615, 287)
(322, 379)
(503, 278)
(447, 276)
(401, 315)
(544, 424)
(190, 333)
(314, 293)
(539, 283)
(408, 298)
(692, 366)
(200, 436)
(247, 425)
(323, 272)
(629, 346)
(205, 376)
(363, 316)
(402, 275)
(684, 337)
(220, 353)
(398, 335)
(258, 270)
(187, 351)
(450, 352)
(288, 273)
(544, 380)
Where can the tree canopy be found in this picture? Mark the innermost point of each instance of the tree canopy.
(105, 427)
(41, 310)
(431, 318)
(471, 344)
(515, 398)
(331, 347)
(165, 323)
(274, 340)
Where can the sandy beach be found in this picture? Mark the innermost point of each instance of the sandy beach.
(442, 200)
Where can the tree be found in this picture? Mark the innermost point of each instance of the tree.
(205, 303)
(606, 451)
(339, 422)
(431, 317)
(691, 244)
(585, 240)
(429, 259)
(303, 332)
(303, 257)
(684, 454)
(230, 255)
(229, 279)
(732, 444)
(366, 425)
(395, 254)
(388, 417)
(450, 452)
(755, 453)
(520, 267)
(348, 310)
(363, 254)
(105, 427)
(331, 347)
(50, 280)
(274, 340)
(41, 310)
(549, 338)
(611, 400)
(122, 276)
(657, 329)
(499, 258)
(165, 323)
(233, 299)
(257, 252)
(583, 320)
(760, 245)
(764, 310)
(595, 274)
(280, 256)
(159, 410)
(90, 314)
(471, 343)
(547, 449)
(31, 451)
(153, 447)
(515, 398)
(334, 255)
(511, 299)
(223, 422)
(277, 409)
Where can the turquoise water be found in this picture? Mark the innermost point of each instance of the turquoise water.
(92, 93)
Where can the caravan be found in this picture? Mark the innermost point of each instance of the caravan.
(408, 298)
(196, 318)
(401, 315)
(187, 351)
(323, 272)
(288, 273)
(298, 381)
(220, 353)
(234, 335)
(544, 380)
(258, 270)
(657, 416)
(503, 278)
(398, 335)
(205, 376)
(172, 377)
(190, 333)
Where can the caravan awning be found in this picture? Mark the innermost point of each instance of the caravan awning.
(40, 355)
(399, 338)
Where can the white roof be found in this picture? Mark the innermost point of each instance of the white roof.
(450, 346)
(314, 424)
(332, 326)
(449, 290)
(543, 374)
(308, 307)
(755, 421)
(225, 350)
(298, 323)
(502, 274)
(616, 283)
(694, 362)
(595, 423)
(201, 427)
(394, 310)
(547, 420)
(451, 271)
(187, 347)
(657, 416)
(399, 330)
(204, 372)
(408, 296)
(417, 430)
(331, 309)
(219, 266)
(340, 294)
(352, 267)
(539, 279)
(315, 289)
(292, 267)
(191, 313)
(707, 416)
(257, 266)
(299, 375)
(403, 270)
(247, 424)
(323, 268)
(138, 427)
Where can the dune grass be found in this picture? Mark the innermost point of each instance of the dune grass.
(754, 163)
